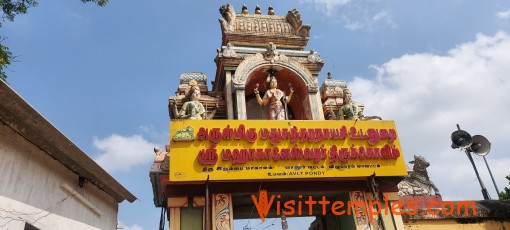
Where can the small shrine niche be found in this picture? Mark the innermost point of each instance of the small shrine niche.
(297, 108)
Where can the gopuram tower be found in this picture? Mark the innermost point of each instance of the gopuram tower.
(266, 140)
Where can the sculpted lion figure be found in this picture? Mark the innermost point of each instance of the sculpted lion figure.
(418, 183)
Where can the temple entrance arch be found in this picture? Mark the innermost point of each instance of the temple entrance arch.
(305, 104)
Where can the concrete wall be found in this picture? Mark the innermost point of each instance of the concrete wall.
(30, 190)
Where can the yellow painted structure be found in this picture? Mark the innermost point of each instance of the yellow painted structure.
(447, 224)
(256, 149)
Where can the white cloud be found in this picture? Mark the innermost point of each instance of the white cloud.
(355, 15)
(385, 18)
(363, 19)
(503, 14)
(351, 25)
(123, 226)
(428, 94)
(120, 153)
(75, 16)
(328, 6)
(153, 134)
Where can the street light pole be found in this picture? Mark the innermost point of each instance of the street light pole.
(484, 190)
(478, 145)
(492, 177)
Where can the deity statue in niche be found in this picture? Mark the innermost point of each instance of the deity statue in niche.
(275, 97)
(193, 109)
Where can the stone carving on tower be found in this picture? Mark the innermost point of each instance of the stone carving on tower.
(338, 103)
(332, 94)
(229, 51)
(229, 17)
(193, 100)
(192, 109)
(418, 183)
(313, 57)
(294, 18)
(271, 54)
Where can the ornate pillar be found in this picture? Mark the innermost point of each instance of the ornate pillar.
(241, 104)
(395, 220)
(359, 209)
(228, 95)
(222, 213)
(316, 105)
(175, 218)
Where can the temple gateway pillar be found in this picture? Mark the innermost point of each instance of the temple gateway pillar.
(222, 213)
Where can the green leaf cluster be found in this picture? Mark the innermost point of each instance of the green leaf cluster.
(505, 194)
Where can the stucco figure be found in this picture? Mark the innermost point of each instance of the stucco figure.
(349, 110)
(276, 99)
(417, 182)
(192, 109)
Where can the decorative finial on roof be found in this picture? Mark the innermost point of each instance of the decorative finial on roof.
(329, 75)
(257, 9)
(270, 10)
(245, 9)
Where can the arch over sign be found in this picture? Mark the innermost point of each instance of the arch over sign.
(253, 62)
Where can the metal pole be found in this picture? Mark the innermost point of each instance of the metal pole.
(492, 177)
(484, 190)
(207, 201)
(375, 192)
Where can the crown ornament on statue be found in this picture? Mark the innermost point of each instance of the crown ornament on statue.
(192, 86)
(271, 74)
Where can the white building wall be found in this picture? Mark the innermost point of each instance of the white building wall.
(30, 190)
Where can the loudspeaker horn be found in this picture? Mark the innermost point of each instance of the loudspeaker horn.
(461, 139)
(480, 146)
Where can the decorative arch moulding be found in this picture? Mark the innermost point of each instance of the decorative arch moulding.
(256, 61)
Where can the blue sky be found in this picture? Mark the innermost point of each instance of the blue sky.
(102, 75)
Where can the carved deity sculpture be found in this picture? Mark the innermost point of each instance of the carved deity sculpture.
(229, 51)
(276, 99)
(349, 110)
(271, 53)
(313, 57)
(417, 182)
(192, 109)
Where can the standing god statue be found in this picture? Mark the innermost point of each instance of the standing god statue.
(274, 97)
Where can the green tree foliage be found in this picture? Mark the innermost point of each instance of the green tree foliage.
(505, 194)
(10, 9)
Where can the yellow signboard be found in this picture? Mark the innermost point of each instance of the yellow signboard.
(267, 150)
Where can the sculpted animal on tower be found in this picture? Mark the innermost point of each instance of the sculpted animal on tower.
(229, 18)
(417, 183)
